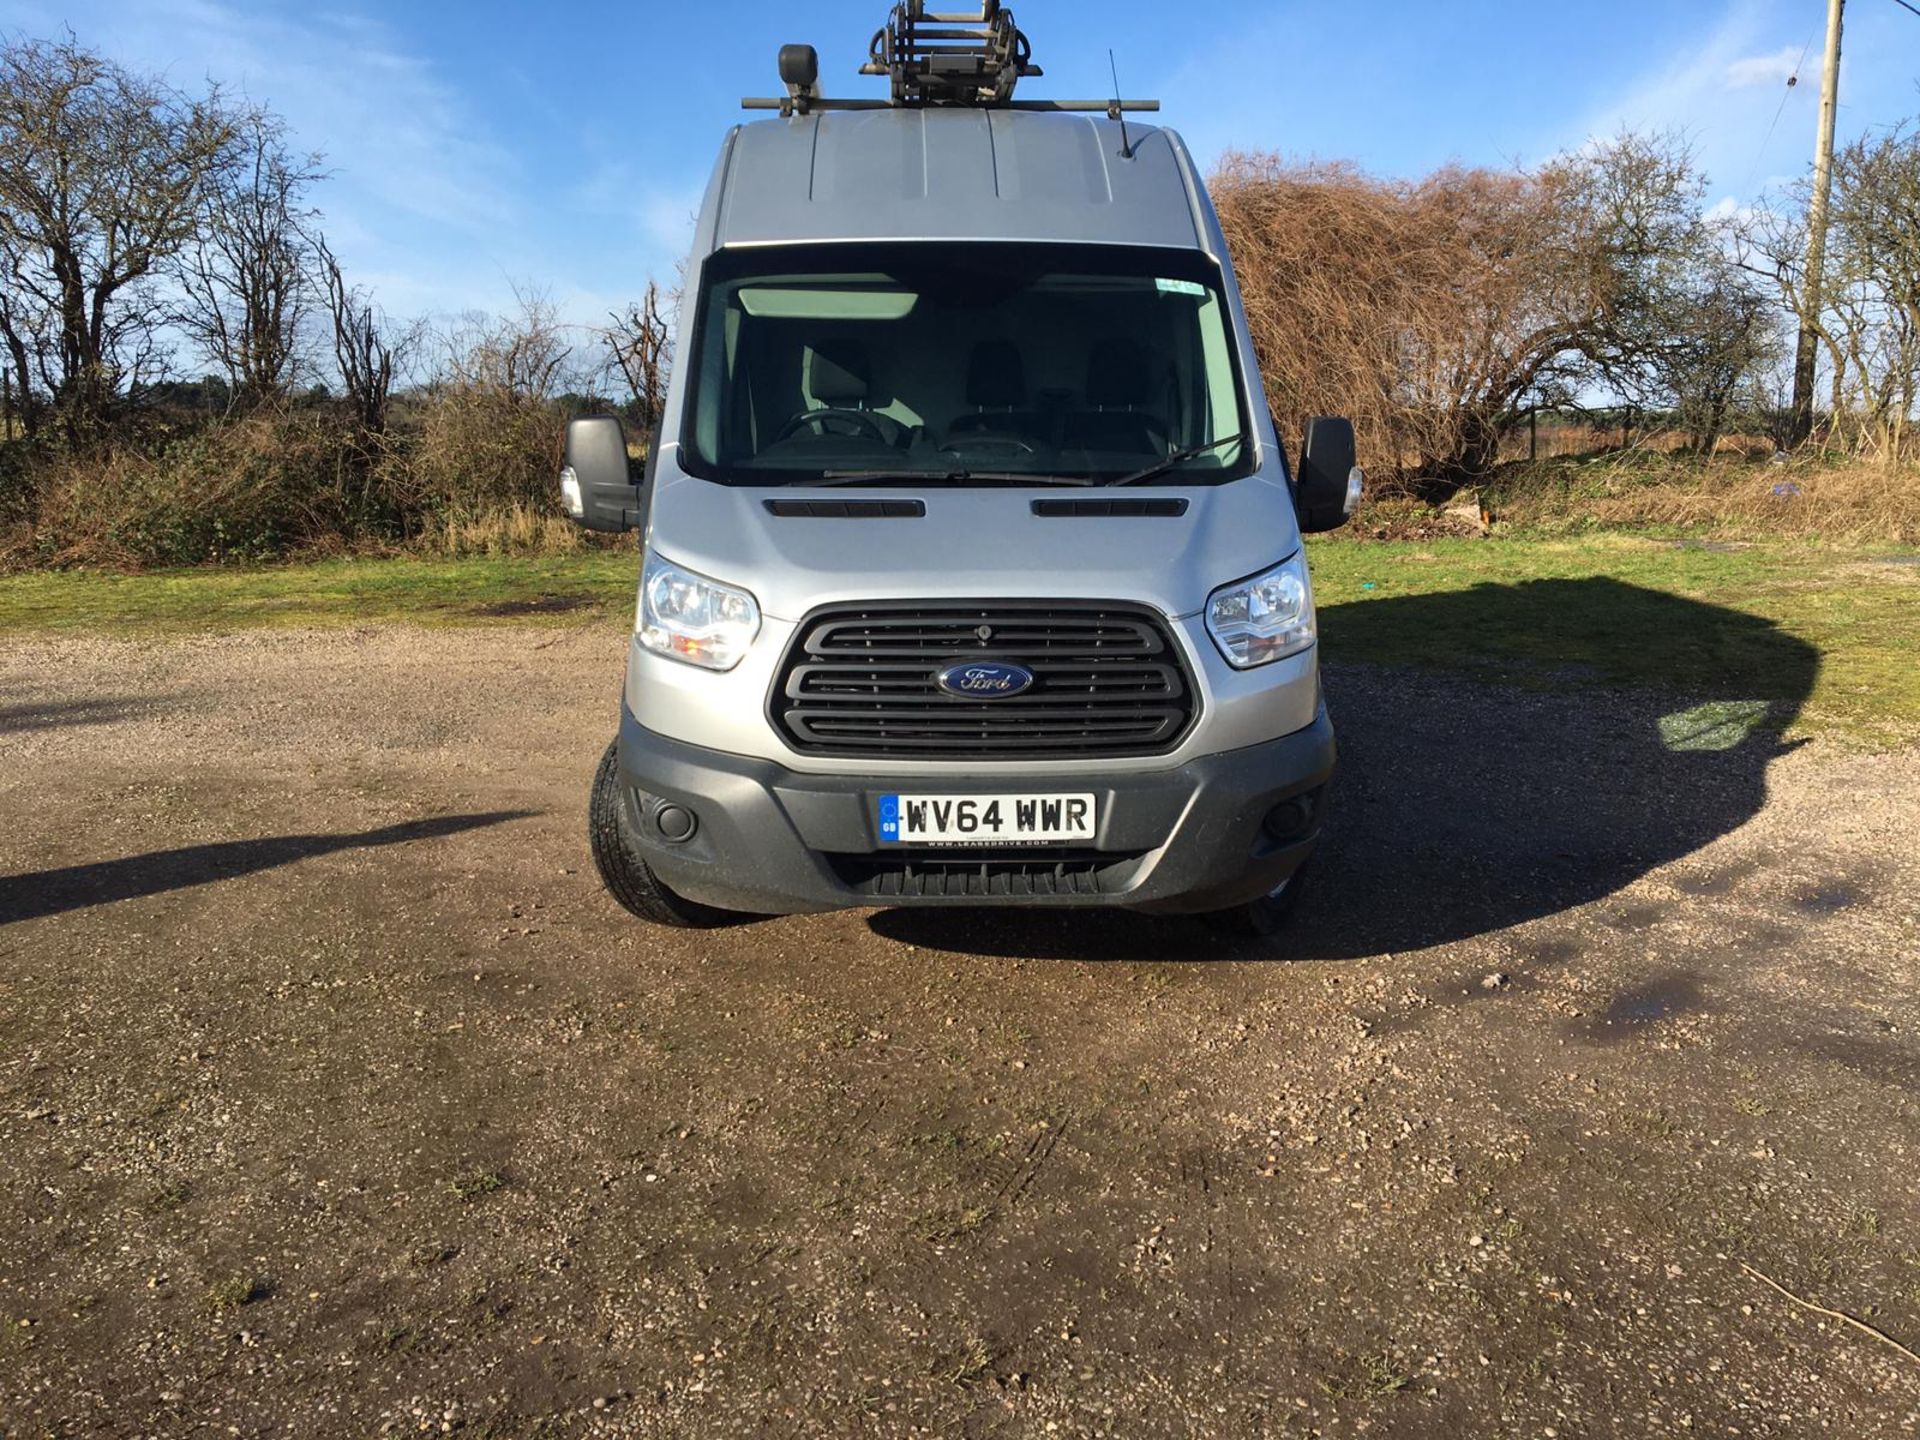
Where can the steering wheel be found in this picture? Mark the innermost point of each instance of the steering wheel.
(859, 422)
(988, 439)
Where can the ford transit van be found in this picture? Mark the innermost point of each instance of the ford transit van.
(971, 568)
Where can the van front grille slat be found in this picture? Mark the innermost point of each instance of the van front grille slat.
(1108, 680)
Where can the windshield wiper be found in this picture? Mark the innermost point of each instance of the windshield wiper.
(1178, 457)
(944, 477)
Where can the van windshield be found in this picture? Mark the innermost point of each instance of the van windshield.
(968, 361)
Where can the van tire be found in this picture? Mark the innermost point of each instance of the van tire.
(627, 877)
(1266, 917)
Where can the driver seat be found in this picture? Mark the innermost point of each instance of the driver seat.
(839, 376)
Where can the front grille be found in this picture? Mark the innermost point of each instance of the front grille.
(910, 877)
(861, 680)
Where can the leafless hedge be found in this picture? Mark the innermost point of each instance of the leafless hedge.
(1440, 312)
(145, 229)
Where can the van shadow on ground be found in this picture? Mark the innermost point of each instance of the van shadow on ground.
(1469, 804)
(40, 893)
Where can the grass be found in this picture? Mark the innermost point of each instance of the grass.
(968, 1366)
(477, 1184)
(1818, 637)
(942, 1226)
(236, 1290)
(168, 1197)
(328, 593)
(1364, 1377)
(1813, 497)
(1827, 637)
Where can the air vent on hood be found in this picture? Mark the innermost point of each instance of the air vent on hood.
(1168, 506)
(850, 509)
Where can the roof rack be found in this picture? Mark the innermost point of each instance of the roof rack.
(934, 58)
(951, 58)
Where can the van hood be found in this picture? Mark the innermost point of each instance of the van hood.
(987, 542)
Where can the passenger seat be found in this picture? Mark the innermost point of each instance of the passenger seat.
(1119, 383)
(997, 389)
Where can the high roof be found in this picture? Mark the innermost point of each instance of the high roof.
(953, 174)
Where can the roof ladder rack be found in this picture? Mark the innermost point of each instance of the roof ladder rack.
(934, 57)
(969, 57)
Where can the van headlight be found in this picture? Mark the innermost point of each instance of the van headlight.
(1265, 618)
(691, 618)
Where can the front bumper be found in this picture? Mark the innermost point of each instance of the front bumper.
(769, 840)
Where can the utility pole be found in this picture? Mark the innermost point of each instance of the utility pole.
(1806, 352)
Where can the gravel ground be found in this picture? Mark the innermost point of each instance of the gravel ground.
(337, 1100)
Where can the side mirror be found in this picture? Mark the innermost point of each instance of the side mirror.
(1327, 486)
(597, 489)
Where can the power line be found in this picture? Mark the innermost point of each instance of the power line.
(1785, 90)
(1908, 5)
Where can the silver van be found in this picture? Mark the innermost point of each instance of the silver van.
(971, 566)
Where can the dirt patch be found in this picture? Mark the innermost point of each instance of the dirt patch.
(538, 605)
(336, 1098)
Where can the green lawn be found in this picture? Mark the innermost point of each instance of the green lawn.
(329, 592)
(1820, 639)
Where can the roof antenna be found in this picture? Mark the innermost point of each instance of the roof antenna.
(1117, 111)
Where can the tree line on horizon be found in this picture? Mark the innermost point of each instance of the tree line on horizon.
(147, 233)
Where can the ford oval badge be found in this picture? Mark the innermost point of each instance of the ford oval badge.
(984, 679)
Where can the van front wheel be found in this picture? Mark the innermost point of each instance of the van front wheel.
(1268, 916)
(627, 877)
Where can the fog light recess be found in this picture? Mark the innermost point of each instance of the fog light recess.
(674, 823)
(1290, 819)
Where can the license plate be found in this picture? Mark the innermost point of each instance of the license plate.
(985, 819)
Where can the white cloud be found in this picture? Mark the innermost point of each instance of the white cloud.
(1753, 70)
(389, 125)
(415, 176)
(1726, 96)
(1677, 93)
(667, 218)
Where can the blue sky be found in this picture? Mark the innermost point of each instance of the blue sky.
(476, 145)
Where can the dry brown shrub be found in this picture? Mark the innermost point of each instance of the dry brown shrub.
(480, 450)
(1564, 440)
(1424, 310)
(254, 488)
(490, 434)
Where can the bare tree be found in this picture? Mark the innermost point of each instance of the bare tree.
(246, 281)
(1873, 290)
(368, 348)
(639, 346)
(1868, 325)
(1684, 329)
(524, 355)
(1727, 340)
(101, 172)
(28, 327)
